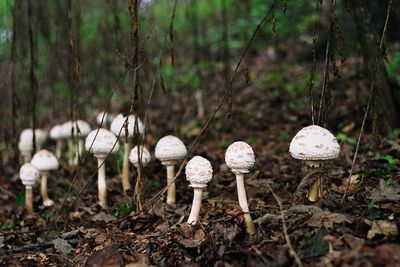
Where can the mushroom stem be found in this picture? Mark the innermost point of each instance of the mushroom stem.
(101, 183)
(27, 157)
(58, 148)
(125, 167)
(29, 200)
(70, 152)
(196, 205)
(171, 192)
(315, 192)
(251, 229)
(43, 190)
(78, 152)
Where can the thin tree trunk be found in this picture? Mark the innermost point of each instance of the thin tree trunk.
(370, 38)
(33, 81)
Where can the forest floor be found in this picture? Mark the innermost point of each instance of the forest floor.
(363, 231)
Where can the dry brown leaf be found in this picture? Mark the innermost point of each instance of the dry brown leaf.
(327, 219)
(382, 227)
(385, 193)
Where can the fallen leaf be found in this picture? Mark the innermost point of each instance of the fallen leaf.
(326, 219)
(189, 243)
(382, 227)
(108, 256)
(103, 217)
(62, 246)
(385, 193)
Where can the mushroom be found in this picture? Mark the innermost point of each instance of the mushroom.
(104, 119)
(101, 142)
(45, 161)
(198, 172)
(56, 134)
(29, 176)
(145, 158)
(117, 127)
(315, 145)
(25, 144)
(169, 150)
(239, 157)
(72, 130)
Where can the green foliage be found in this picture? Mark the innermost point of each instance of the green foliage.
(251, 140)
(122, 210)
(369, 211)
(388, 158)
(6, 226)
(393, 68)
(394, 134)
(21, 198)
(344, 138)
(225, 143)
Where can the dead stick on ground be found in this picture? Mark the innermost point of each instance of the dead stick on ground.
(289, 244)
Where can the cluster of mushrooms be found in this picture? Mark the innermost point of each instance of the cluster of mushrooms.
(313, 144)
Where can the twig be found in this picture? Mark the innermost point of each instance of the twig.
(289, 244)
(370, 98)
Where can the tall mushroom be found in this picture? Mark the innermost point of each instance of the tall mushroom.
(29, 176)
(315, 145)
(118, 128)
(104, 119)
(25, 144)
(56, 135)
(169, 150)
(239, 157)
(101, 142)
(45, 161)
(75, 130)
(198, 172)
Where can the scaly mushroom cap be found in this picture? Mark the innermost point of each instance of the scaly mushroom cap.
(44, 160)
(28, 174)
(314, 143)
(144, 154)
(170, 148)
(55, 132)
(104, 142)
(239, 157)
(118, 124)
(81, 128)
(198, 171)
(26, 137)
(107, 118)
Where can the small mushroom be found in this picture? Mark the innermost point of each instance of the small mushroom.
(100, 143)
(239, 157)
(169, 150)
(55, 134)
(104, 119)
(75, 130)
(145, 156)
(118, 128)
(315, 145)
(29, 176)
(45, 161)
(198, 172)
(25, 144)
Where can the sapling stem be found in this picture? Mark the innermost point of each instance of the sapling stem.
(29, 200)
(43, 190)
(251, 229)
(125, 167)
(101, 183)
(196, 205)
(171, 192)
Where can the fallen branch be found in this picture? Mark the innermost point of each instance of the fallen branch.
(292, 252)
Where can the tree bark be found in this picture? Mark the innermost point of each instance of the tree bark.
(369, 37)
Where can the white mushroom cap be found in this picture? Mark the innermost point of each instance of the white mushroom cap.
(29, 174)
(198, 171)
(314, 143)
(107, 118)
(55, 132)
(144, 154)
(44, 160)
(170, 148)
(239, 157)
(25, 146)
(104, 142)
(83, 126)
(26, 137)
(119, 121)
